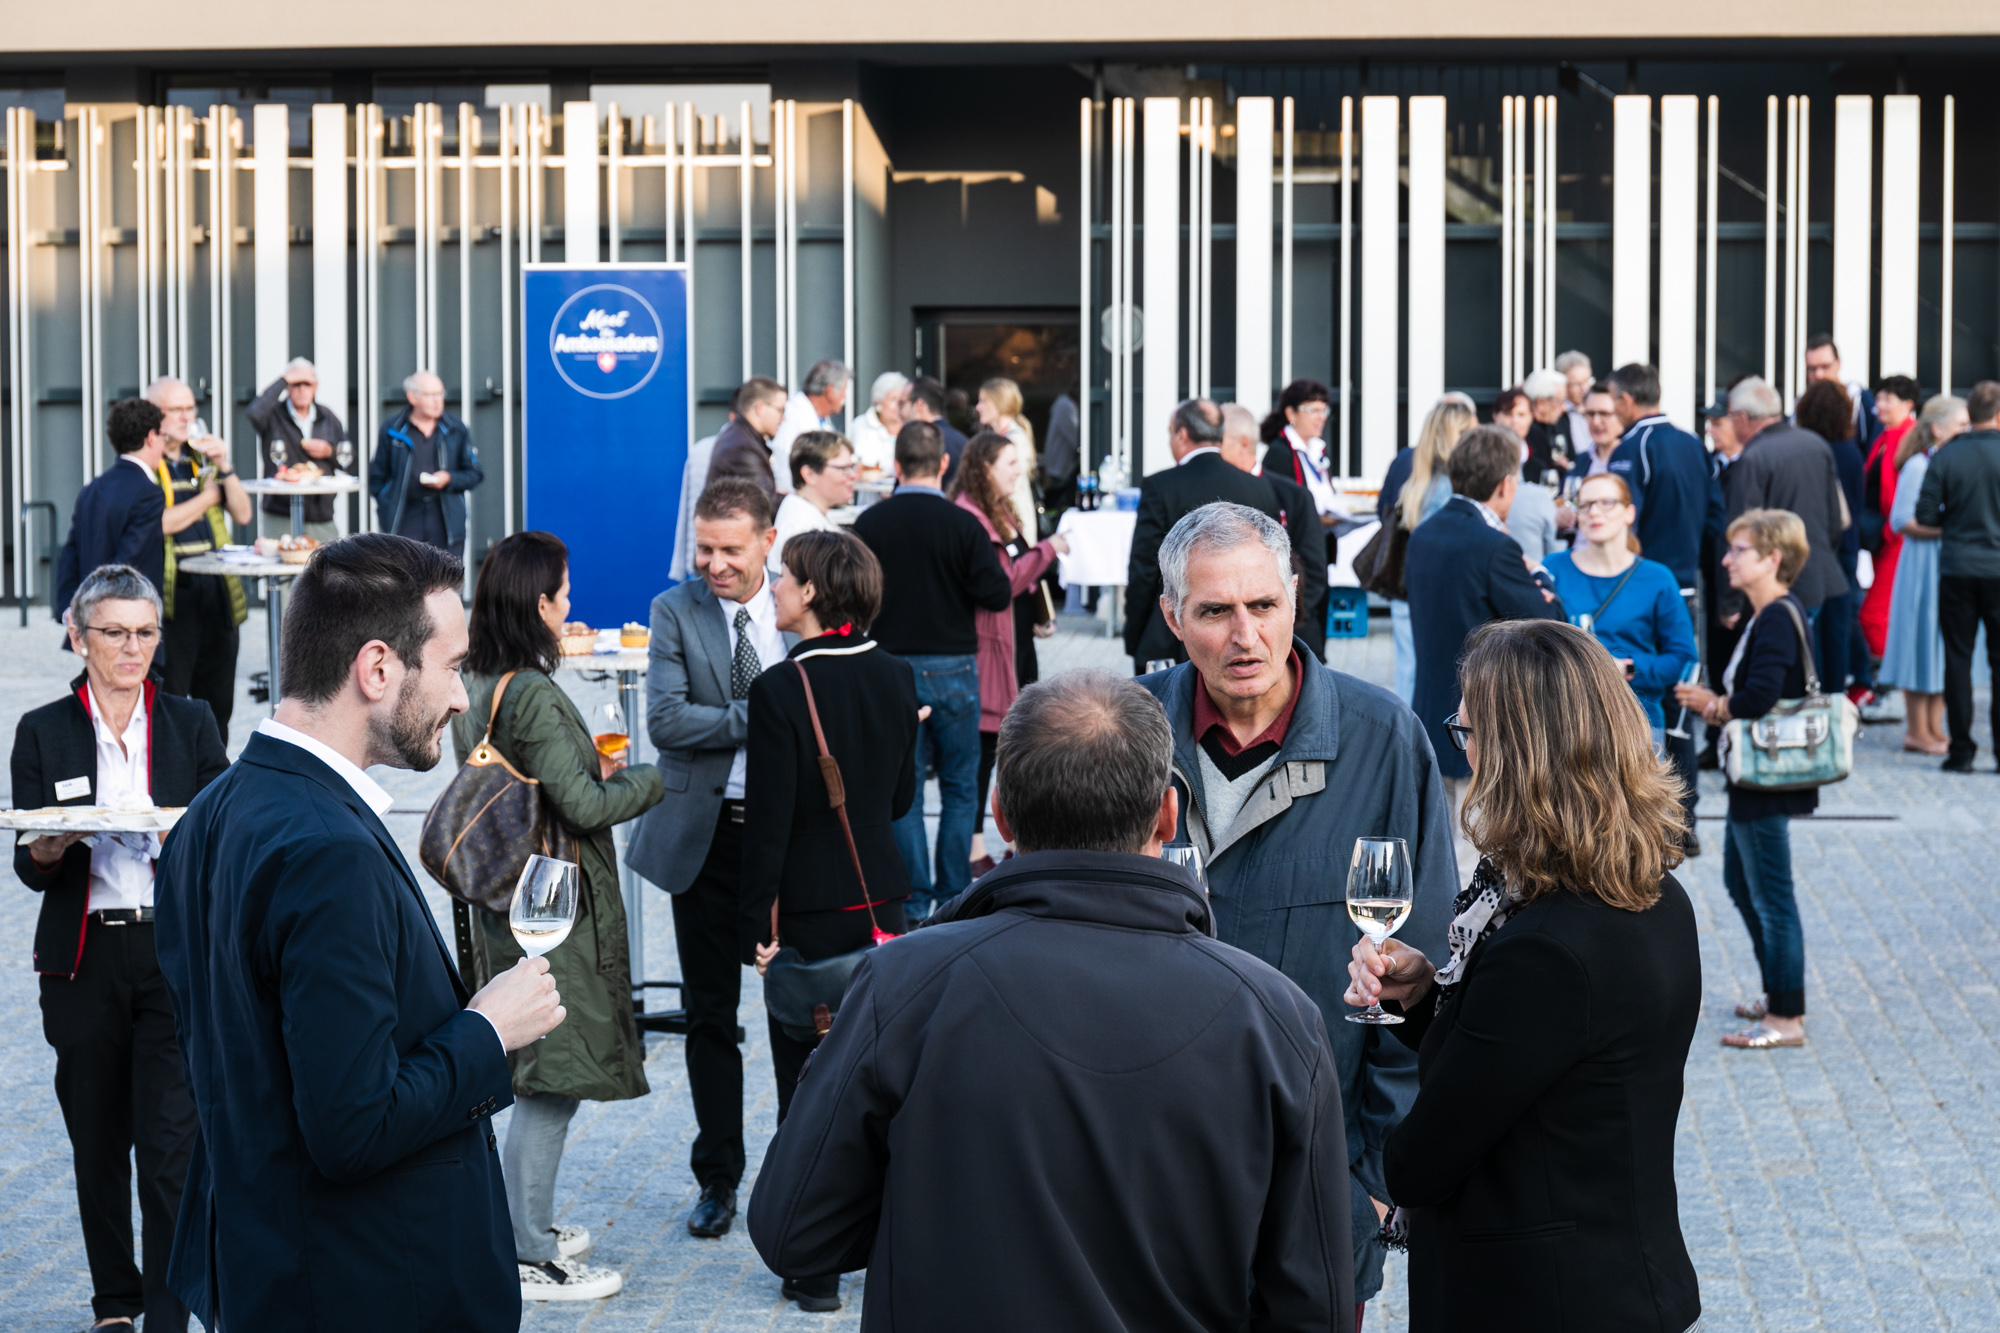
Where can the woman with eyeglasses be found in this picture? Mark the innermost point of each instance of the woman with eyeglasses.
(1534, 1173)
(1600, 417)
(1631, 605)
(1767, 549)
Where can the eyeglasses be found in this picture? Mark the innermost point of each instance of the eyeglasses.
(1598, 506)
(118, 638)
(843, 467)
(1737, 549)
(1460, 733)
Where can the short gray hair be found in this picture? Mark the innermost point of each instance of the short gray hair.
(1082, 761)
(112, 583)
(1570, 360)
(827, 373)
(1756, 399)
(417, 377)
(1239, 422)
(158, 388)
(1545, 384)
(888, 382)
(1220, 526)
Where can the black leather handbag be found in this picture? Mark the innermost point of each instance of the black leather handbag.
(803, 996)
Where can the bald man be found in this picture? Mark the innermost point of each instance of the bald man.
(424, 464)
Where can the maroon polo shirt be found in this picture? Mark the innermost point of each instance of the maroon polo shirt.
(1231, 759)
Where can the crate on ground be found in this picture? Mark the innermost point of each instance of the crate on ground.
(1346, 613)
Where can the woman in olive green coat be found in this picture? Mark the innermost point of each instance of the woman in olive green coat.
(596, 1054)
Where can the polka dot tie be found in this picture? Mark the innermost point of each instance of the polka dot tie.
(747, 665)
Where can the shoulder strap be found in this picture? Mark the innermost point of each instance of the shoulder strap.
(493, 711)
(836, 796)
(1617, 588)
(1805, 647)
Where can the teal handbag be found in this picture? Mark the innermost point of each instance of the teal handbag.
(1800, 743)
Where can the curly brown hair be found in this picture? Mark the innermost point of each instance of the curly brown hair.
(975, 478)
(1568, 792)
(1826, 410)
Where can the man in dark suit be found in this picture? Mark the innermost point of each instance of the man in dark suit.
(1462, 571)
(711, 637)
(1783, 466)
(1300, 517)
(115, 739)
(923, 400)
(117, 517)
(1200, 475)
(347, 1174)
(743, 446)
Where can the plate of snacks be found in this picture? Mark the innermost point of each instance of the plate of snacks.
(296, 550)
(306, 471)
(578, 639)
(88, 819)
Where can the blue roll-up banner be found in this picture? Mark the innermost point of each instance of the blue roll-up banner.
(607, 414)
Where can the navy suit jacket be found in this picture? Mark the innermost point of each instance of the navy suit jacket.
(1667, 471)
(346, 1175)
(116, 522)
(1460, 573)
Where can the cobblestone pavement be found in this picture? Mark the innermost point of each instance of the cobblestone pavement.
(1849, 1185)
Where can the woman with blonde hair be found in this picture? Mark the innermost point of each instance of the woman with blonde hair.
(1913, 650)
(999, 410)
(1534, 1173)
(1421, 495)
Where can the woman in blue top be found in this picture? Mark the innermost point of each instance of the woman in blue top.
(1633, 606)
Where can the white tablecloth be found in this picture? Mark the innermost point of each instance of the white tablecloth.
(1100, 547)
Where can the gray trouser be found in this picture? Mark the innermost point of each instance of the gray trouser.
(529, 1161)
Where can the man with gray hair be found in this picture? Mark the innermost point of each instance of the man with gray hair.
(293, 428)
(424, 464)
(114, 739)
(814, 406)
(1548, 439)
(874, 433)
(1131, 1125)
(1574, 367)
(1785, 466)
(1281, 764)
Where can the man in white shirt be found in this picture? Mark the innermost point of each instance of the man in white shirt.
(118, 740)
(1578, 381)
(874, 431)
(813, 407)
(823, 469)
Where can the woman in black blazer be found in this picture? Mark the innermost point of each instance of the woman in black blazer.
(1533, 1177)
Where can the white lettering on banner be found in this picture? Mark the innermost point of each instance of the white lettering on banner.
(604, 319)
(618, 335)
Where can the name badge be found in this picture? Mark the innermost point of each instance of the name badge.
(73, 788)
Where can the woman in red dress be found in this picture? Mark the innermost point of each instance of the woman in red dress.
(1896, 407)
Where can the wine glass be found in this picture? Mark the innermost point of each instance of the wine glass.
(1378, 900)
(276, 449)
(343, 455)
(612, 738)
(1188, 857)
(544, 904)
(1690, 674)
(1571, 487)
(1551, 480)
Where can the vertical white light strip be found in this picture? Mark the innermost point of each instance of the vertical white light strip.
(1086, 327)
(369, 179)
(1128, 459)
(1950, 234)
(1791, 338)
(614, 170)
(170, 243)
(433, 236)
(1541, 329)
(221, 267)
(1254, 117)
(1160, 284)
(1346, 460)
(791, 250)
(745, 238)
(507, 319)
(1680, 179)
(1853, 231)
(468, 387)
(1519, 337)
(145, 125)
(1207, 246)
(1805, 243)
(1546, 261)
(1115, 304)
(1631, 229)
(847, 252)
(1901, 135)
(20, 170)
(1285, 241)
(1708, 295)
(580, 219)
(271, 128)
(1380, 271)
(670, 163)
(1771, 163)
(1194, 310)
(779, 279)
(90, 292)
(1426, 280)
(329, 257)
(1507, 294)
(534, 131)
(420, 180)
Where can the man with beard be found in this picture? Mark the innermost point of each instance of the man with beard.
(346, 1174)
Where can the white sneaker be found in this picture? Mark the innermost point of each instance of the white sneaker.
(571, 1241)
(568, 1280)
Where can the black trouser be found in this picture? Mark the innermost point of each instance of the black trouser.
(1963, 604)
(989, 751)
(423, 521)
(120, 1082)
(200, 645)
(711, 987)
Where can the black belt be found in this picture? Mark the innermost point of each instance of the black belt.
(732, 811)
(123, 916)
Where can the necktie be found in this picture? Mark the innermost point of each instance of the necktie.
(747, 665)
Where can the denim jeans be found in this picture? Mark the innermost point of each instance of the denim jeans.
(1757, 871)
(947, 742)
(528, 1164)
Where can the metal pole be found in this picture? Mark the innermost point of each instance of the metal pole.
(468, 145)
(1791, 240)
(507, 119)
(847, 252)
(1285, 252)
(1950, 242)
(1506, 241)
(1798, 372)
(1085, 330)
(1708, 292)
(1771, 240)
(743, 232)
(1346, 270)
(614, 129)
(1548, 356)
(791, 243)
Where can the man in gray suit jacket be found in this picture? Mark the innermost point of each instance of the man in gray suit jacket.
(1785, 466)
(711, 637)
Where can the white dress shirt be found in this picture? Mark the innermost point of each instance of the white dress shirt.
(1318, 470)
(873, 445)
(799, 418)
(304, 420)
(796, 514)
(770, 646)
(1193, 454)
(121, 867)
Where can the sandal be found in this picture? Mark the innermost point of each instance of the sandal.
(1752, 1012)
(1758, 1037)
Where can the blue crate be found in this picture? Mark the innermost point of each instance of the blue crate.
(1346, 613)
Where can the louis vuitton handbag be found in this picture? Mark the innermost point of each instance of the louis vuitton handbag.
(487, 823)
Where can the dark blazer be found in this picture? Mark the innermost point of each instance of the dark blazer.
(1144, 1119)
(1961, 495)
(271, 416)
(1788, 467)
(347, 1174)
(741, 452)
(1666, 470)
(1538, 1160)
(792, 844)
(1165, 498)
(1461, 574)
(389, 470)
(116, 521)
(1309, 557)
(57, 742)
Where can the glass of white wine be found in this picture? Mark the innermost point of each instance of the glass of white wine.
(544, 904)
(1378, 901)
